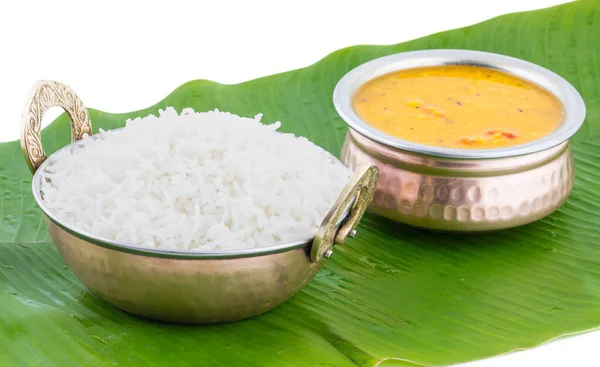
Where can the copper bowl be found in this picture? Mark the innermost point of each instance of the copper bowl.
(458, 189)
(183, 286)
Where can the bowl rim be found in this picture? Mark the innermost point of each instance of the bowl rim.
(305, 244)
(573, 104)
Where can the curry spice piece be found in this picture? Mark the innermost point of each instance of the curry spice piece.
(470, 141)
(501, 133)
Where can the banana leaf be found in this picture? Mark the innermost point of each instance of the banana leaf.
(393, 295)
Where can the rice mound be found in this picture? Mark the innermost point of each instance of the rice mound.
(209, 181)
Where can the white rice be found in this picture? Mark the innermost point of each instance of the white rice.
(209, 181)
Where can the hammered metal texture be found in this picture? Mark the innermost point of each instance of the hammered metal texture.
(475, 195)
(199, 291)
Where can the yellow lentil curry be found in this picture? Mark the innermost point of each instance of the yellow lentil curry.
(458, 106)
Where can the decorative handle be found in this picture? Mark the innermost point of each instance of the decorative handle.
(45, 94)
(338, 225)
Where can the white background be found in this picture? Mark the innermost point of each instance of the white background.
(121, 56)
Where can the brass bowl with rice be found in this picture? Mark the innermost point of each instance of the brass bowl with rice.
(194, 221)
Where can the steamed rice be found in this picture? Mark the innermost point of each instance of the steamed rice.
(193, 181)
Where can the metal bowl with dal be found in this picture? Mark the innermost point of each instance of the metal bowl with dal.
(462, 190)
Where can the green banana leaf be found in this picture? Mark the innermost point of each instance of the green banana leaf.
(391, 296)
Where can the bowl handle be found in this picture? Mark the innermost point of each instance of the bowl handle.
(339, 223)
(43, 95)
